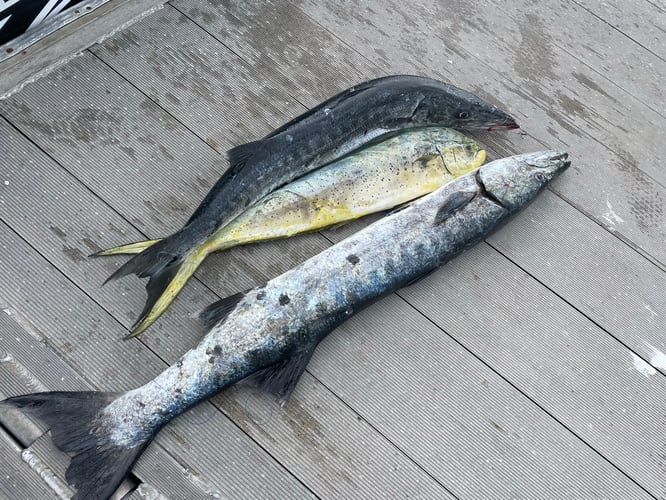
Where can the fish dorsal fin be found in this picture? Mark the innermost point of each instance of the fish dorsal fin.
(218, 311)
(330, 104)
(238, 156)
(454, 202)
(281, 378)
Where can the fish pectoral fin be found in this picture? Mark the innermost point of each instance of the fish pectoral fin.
(281, 378)
(238, 156)
(218, 311)
(454, 202)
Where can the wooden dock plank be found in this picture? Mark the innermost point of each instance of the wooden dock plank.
(643, 21)
(461, 420)
(570, 367)
(598, 274)
(18, 479)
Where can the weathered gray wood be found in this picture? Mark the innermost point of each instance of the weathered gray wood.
(569, 366)
(380, 383)
(283, 42)
(211, 90)
(643, 21)
(61, 45)
(462, 421)
(534, 81)
(123, 131)
(322, 430)
(592, 270)
(18, 479)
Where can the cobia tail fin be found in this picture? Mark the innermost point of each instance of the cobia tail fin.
(98, 464)
(128, 249)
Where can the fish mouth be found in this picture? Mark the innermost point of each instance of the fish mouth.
(508, 125)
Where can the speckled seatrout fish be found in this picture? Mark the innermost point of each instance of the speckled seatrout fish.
(382, 176)
(270, 332)
(333, 129)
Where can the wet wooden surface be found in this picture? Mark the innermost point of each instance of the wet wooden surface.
(533, 366)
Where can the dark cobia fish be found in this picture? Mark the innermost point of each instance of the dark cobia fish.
(333, 129)
(270, 332)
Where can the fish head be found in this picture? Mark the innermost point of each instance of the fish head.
(457, 152)
(457, 108)
(513, 182)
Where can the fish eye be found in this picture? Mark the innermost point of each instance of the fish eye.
(463, 114)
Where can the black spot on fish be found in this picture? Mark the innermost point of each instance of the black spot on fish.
(178, 390)
(284, 299)
(261, 295)
(216, 351)
(211, 360)
(353, 259)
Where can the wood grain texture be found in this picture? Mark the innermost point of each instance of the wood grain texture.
(18, 479)
(643, 22)
(598, 274)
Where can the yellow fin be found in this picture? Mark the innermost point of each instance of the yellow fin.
(160, 296)
(128, 249)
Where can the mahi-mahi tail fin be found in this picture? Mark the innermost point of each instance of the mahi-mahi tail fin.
(128, 249)
(98, 463)
(163, 288)
(168, 264)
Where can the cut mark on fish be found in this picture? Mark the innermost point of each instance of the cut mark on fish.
(485, 193)
(643, 367)
(610, 216)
